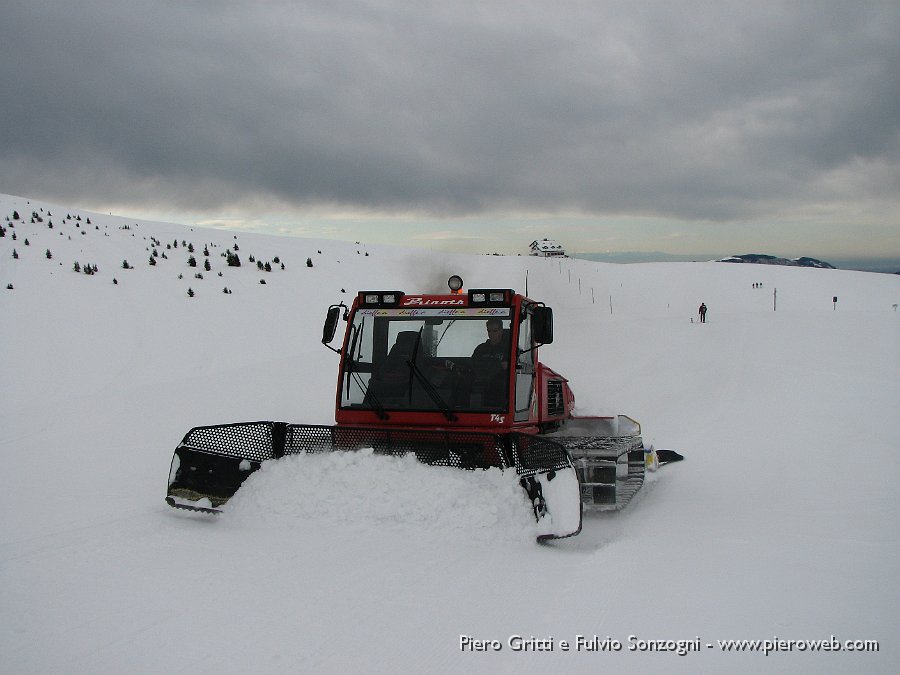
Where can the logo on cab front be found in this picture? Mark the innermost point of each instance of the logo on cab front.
(421, 302)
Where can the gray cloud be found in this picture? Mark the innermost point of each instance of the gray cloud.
(696, 110)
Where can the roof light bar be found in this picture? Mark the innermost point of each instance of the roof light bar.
(491, 297)
(380, 298)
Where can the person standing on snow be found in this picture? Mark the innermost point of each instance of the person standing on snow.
(702, 312)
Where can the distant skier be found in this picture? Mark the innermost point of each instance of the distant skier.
(702, 312)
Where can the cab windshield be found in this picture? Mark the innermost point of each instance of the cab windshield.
(428, 359)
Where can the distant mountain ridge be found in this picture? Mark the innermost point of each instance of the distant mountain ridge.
(763, 259)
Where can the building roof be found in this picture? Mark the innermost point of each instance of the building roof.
(546, 245)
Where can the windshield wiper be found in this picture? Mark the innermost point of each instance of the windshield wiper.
(369, 395)
(429, 388)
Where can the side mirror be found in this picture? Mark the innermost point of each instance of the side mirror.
(331, 322)
(542, 325)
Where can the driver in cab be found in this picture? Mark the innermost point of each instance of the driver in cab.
(495, 347)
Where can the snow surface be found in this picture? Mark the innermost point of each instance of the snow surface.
(781, 522)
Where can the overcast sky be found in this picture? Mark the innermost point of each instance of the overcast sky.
(684, 127)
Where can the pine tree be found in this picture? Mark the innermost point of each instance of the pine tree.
(77, 267)
(309, 262)
(49, 255)
(206, 265)
(192, 262)
(190, 292)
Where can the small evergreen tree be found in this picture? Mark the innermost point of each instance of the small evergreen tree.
(152, 261)
(48, 254)
(125, 265)
(309, 262)
(192, 262)
(77, 267)
(206, 265)
(190, 292)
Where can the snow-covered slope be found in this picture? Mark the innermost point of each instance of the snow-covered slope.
(780, 525)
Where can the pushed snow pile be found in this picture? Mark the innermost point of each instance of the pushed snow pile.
(360, 488)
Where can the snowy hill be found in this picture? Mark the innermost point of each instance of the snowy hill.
(762, 259)
(780, 526)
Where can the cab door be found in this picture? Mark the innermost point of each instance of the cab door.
(525, 367)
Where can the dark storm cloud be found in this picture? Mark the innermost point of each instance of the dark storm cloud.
(708, 110)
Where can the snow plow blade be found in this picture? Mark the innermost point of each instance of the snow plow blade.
(609, 457)
(212, 462)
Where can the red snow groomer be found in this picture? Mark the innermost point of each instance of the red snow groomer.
(454, 379)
